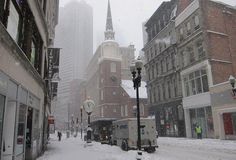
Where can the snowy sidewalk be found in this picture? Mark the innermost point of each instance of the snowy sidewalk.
(170, 149)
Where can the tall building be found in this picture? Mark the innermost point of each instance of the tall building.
(27, 30)
(75, 37)
(108, 81)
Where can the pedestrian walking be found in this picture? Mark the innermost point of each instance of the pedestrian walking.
(59, 135)
(198, 130)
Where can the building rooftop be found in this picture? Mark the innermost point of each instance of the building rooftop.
(127, 85)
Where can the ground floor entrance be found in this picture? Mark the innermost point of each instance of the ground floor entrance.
(19, 121)
(203, 118)
(229, 121)
(2, 106)
(169, 119)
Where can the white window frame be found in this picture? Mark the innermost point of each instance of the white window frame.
(102, 95)
(113, 67)
(13, 21)
(122, 111)
(102, 111)
(126, 110)
(196, 20)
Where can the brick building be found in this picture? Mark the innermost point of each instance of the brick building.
(105, 73)
(205, 32)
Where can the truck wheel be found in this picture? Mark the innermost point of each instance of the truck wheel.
(124, 145)
(151, 149)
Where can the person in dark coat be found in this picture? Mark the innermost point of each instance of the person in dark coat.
(59, 135)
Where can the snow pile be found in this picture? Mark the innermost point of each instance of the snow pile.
(75, 149)
(128, 86)
(169, 149)
(200, 144)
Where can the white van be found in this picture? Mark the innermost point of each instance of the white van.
(124, 134)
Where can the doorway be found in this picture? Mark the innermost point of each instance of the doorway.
(9, 130)
(28, 150)
(2, 106)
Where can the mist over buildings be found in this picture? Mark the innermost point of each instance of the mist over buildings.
(75, 37)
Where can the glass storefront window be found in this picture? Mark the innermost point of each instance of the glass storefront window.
(2, 104)
(19, 148)
(36, 125)
(205, 83)
(210, 126)
(202, 117)
(196, 83)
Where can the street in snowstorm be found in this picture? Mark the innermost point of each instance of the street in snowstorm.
(169, 149)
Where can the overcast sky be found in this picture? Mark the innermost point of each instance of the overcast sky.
(127, 15)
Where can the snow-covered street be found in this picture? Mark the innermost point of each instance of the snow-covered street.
(169, 149)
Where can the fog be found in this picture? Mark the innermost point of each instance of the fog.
(128, 16)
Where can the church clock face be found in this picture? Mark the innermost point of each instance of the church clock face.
(113, 78)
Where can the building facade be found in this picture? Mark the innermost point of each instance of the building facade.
(203, 61)
(205, 32)
(26, 31)
(107, 71)
(163, 72)
(221, 33)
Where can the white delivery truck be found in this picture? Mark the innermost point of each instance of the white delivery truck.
(124, 134)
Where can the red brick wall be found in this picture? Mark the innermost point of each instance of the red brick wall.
(182, 4)
(220, 45)
(220, 72)
(109, 86)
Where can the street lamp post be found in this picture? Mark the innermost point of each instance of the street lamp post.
(81, 116)
(135, 69)
(89, 106)
(232, 81)
(68, 125)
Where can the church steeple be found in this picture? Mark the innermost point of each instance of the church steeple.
(109, 33)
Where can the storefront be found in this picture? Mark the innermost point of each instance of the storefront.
(224, 111)
(203, 118)
(170, 119)
(229, 120)
(32, 128)
(15, 102)
(3, 93)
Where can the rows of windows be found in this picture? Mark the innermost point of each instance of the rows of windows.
(189, 27)
(162, 66)
(22, 28)
(161, 44)
(186, 56)
(196, 82)
(166, 90)
(157, 27)
(191, 53)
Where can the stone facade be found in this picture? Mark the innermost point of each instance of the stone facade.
(163, 72)
(24, 83)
